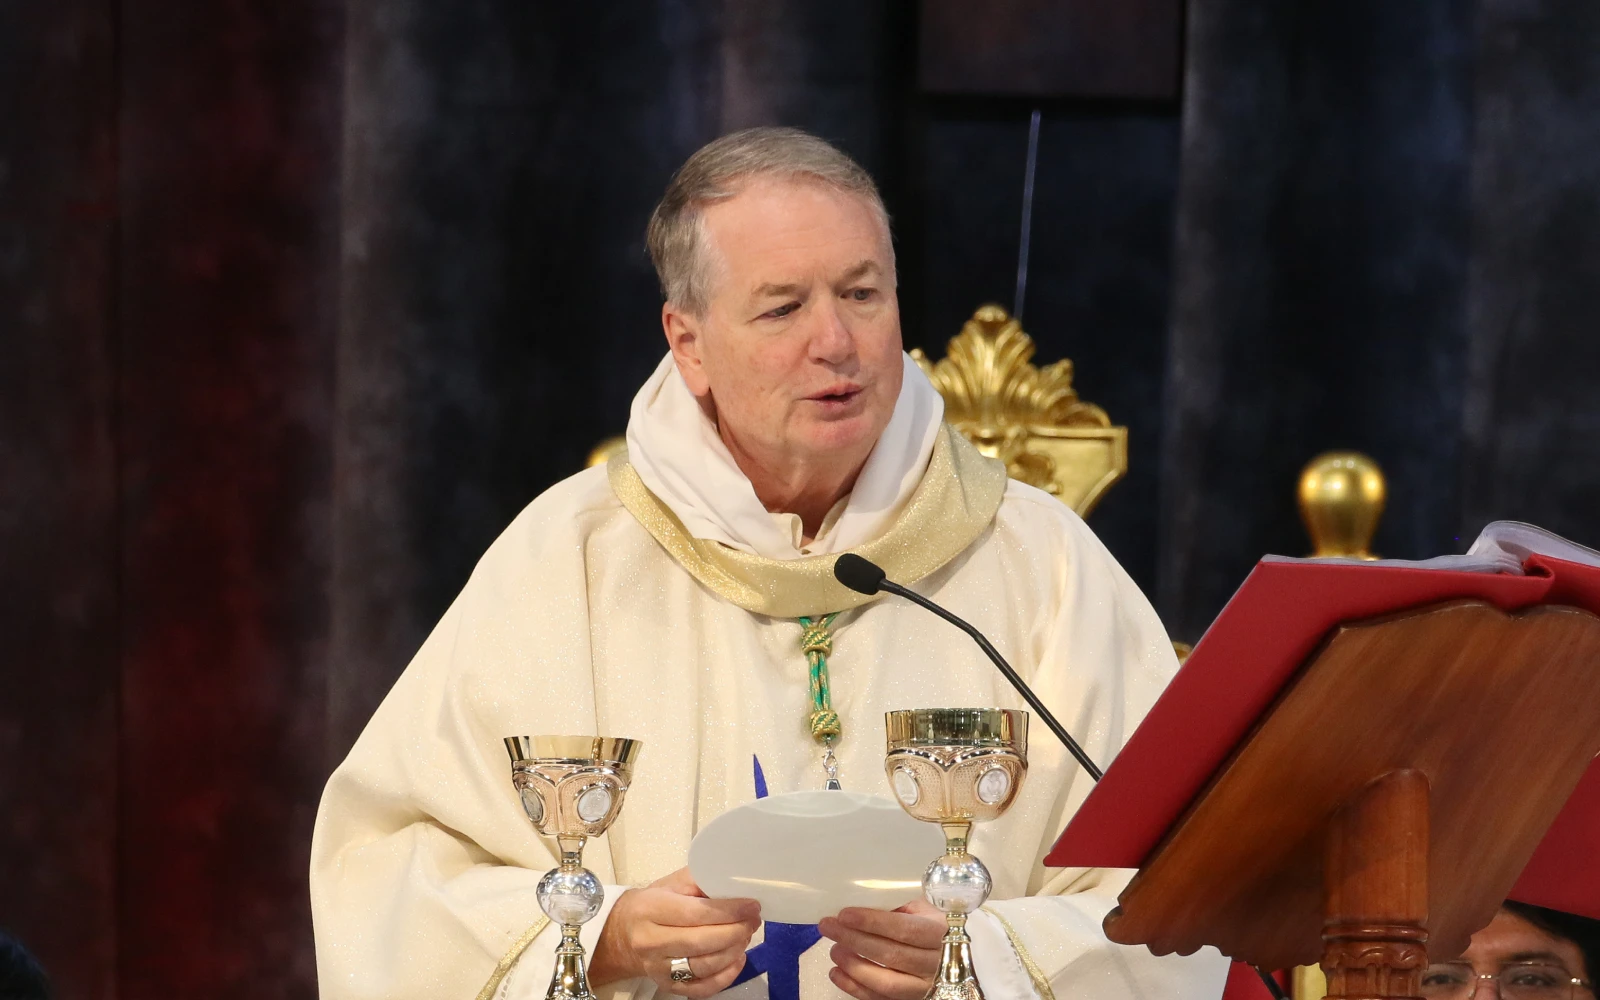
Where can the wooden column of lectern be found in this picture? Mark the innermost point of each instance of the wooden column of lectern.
(1383, 807)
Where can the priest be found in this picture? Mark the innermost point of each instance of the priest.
(683, 595)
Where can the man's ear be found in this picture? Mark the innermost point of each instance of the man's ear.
(684, 340)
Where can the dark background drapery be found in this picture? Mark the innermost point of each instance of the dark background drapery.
(302, 301)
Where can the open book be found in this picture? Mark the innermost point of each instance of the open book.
(1502, 547)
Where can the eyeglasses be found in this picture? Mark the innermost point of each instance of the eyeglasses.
(1517, 981)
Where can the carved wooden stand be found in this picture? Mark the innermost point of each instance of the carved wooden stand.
(1352, 823)
(1375, 896)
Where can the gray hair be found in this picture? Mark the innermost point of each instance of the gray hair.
(676, 235)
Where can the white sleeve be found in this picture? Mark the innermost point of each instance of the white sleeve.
(1038, 946)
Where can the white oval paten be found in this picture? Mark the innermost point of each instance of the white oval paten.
(808, 855)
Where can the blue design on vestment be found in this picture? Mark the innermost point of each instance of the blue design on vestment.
(761, 779)
(778, 955)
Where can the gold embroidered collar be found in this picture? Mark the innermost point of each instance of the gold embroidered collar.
(952, 505)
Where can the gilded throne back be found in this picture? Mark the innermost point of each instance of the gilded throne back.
(1029, 417)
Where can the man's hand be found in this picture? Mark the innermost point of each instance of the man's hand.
(672, 918)
(885, 955)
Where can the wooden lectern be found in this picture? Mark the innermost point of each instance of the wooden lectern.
(1385, 796)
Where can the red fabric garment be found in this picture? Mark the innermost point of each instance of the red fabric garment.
(1277, 618)
(1244, 984)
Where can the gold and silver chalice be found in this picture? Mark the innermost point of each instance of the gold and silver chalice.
(956, 767)
(571, 787)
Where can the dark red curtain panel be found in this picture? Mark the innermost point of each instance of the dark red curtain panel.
(227, 311)
(174, 174)
(60, 668)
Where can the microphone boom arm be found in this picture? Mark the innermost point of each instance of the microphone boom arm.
(1005, 668)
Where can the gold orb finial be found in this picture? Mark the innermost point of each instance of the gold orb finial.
(604, 450)
(1341, 500)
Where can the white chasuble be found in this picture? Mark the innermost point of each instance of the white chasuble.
(598, 612)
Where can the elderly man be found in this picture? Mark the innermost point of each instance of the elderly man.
(665, 597)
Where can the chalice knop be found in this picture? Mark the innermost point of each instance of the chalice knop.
(956, 767)
(571, 787)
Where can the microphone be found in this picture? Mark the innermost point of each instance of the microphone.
(866, 577)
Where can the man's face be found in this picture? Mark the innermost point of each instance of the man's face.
(799, 346)
(1510, 940)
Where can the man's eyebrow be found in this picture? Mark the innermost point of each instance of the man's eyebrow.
(861, 270)
(855, 273)
(1538, 956)
(762, 291)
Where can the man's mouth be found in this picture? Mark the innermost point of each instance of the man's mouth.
(836, 394)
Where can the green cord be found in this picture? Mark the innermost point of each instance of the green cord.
(817, 643)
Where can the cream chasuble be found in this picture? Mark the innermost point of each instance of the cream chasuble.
(599, 611)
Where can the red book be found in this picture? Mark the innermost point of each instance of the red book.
(1276, 620)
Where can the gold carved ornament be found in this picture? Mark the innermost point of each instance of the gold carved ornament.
(1028, 417)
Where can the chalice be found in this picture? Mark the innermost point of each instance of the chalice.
(571, 787)
(956, 767)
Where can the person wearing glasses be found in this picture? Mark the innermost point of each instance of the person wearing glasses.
(1526, 953)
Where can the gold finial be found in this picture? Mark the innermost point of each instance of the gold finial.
(604, 450)
(1341, 500)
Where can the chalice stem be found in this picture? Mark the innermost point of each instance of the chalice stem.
(570, 981)
(956, 980)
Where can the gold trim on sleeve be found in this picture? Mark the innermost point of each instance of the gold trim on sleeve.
(510, 959)
(1041, 982)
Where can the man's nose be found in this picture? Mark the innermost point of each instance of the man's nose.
(831, 340)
